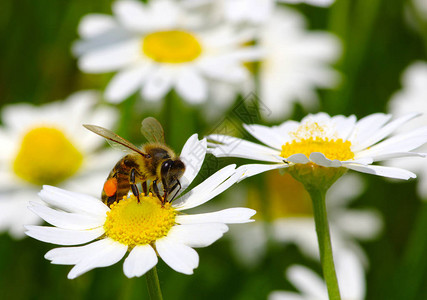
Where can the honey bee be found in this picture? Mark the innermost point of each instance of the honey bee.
(151, 165)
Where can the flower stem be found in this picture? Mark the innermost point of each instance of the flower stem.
(153, 284)
(324, 239)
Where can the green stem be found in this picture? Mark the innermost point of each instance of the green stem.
(324, 239)
(153, 284)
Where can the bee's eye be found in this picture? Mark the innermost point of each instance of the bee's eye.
(166, 166)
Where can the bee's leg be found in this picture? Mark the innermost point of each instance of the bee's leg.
(177, 191)
(156, 191)
(133, 186)
(165, 191)
(144, 187)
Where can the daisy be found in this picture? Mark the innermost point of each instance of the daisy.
(412, 98)
(159, 46)
(335, 143)
(351, 280)
(48, 145)
(146, 229)
(288, 216)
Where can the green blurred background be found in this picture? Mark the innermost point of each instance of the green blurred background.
(36, 66)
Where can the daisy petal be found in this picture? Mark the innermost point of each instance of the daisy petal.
(179, 257)
(197, 235)
(72, 202)
(279, 295)
(66, 220)
(266, 135)
(368, 125)
(139, 261)
(250, 170)
(193, 154)
(228, 216)
(126, 82)
(108, 255)
(157, 85)
(321, 160)
(95, 24)
(382, 171)
(201, 193)
(298, 158)
(307, 282)
(61, 236)
(192, 87)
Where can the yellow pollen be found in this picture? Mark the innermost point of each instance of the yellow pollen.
(311, 137)
(132, 223)
(173, 46)
(46, 156)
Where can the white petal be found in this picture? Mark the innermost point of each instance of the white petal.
(95, 24)
(126, 82)
(321, 160)
(191, 86)
(368, 125)
(109, 254)
(111, 58)
(201, 193)
(66, 220)
(197, 235)
(361, 224)
(132, 14)
(265, 134)
(228, 216)
(157, 85)
(179, 257)
(250, 170)
(350, 275)
(279, 295)
(61, 236)
(382, 171)
(298, 158)
(307, 282)
(193, 154)
(140, 260)
(229, 146)
(73, 202)
(383, 132)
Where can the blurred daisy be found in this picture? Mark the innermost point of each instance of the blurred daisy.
(146, 229)
(288, 217)
(351, 280)
(321, 3)
(48, 145)
(296, 62)
(159, 46)
(412, 98)
(334, 143)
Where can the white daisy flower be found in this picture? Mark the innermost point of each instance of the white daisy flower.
(146, 229)
(296, 62)
(159, 46)
(335, 143)
(288, 216)
(412, 98)
(48, 145)
(351, 280)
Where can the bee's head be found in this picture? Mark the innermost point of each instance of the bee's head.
(171, 171)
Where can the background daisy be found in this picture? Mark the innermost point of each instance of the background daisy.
(47, 144)
(159, 46)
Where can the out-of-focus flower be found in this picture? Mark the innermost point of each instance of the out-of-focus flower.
(320, 143)
(48, 145)
(146, 229)
(421, 6)
(159, 46)
(296, 62)
(322, 3)
(413, 98)
(287, 216)
(351, 280)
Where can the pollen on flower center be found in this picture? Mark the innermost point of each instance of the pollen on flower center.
(173, 46)
(311, 137)
(132, 223)
(46, 156)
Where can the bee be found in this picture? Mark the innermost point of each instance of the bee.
(153, 164)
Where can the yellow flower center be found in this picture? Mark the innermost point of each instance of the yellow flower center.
(46, 156)
(132, 223)
(172, 46)
(311, 137)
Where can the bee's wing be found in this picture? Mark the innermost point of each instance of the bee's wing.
(113, 139)
(153, 130)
